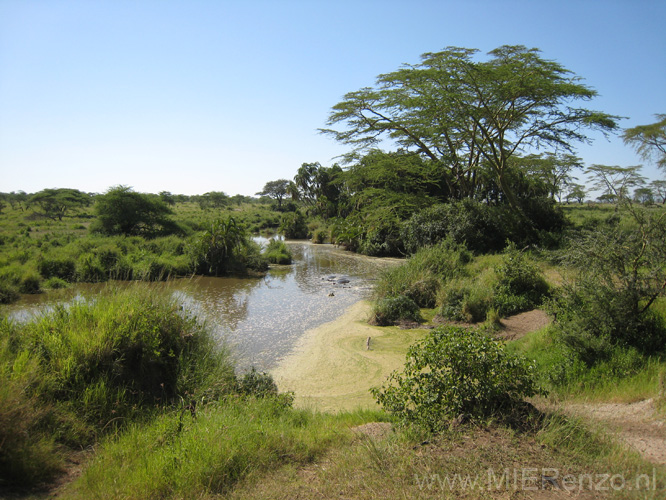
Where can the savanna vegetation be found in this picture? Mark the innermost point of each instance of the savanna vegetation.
(479, 194)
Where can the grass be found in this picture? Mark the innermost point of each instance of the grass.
(121, 373)
(89, 368)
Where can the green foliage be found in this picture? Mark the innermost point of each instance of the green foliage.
(123, 211)
(8, 291)
(57, 267)
(421, 276)
(516, 99)
(178, 456)
(514, 285)
(456, 371)
(293, 226)
(520, 284)
(55, 203)
(277, 252)
(473, 224)
(621, 272)
(259, 384)
(222, 248)
(91, 367)
(391, 310)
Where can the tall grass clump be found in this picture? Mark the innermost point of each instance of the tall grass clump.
(91, 367)
(421, 276)
(276, 252)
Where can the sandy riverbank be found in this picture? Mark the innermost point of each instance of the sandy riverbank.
(331, 368)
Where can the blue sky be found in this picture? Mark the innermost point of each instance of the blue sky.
(196, 96)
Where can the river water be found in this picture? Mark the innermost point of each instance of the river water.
(262, 318)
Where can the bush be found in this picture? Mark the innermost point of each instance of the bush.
(63, 268)
(8, 292)
(621, 274)
(293, 226)
(421, 276)
(30, 283)
(391, 310)
(456, 371)
(277, 252)
(55, 283)
(520, 285)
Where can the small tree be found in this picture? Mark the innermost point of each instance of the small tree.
(276, 190)
(576, 192)
(456, 371)
(123, 211)
(615, 181)
(659, 190)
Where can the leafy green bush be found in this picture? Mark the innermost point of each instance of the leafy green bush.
(390, 310)
(471, 223)
(293, 226)
(621, 271)
(30, 283)
(54, 283)
(456, 371)
(520, 285)
(8, 292)
(259, 384)
(59, 267)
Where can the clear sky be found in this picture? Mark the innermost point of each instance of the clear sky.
(193, 96)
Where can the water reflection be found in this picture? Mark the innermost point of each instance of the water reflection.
(263, 317)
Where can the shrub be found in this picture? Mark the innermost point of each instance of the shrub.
(30, 283)
(55, 283)
(277, 252)
(293, 226)
(520, 285)
(319, 236)
(259, 384)
(421, 276)
(456, 371)
(59, 267)
(390, 310)
(8, 292)
(621, 273)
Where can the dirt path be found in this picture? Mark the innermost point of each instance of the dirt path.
(515, 327)
(637, 424)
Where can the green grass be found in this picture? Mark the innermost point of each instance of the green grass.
(174, 457)
(89, 368)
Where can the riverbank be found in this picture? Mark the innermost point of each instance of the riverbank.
(331, 367)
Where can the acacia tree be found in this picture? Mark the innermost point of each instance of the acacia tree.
(277, 190)
(649, 140)
(553, 170)
(467, 115)
(615, 182)
(659, 190)
(55, 203)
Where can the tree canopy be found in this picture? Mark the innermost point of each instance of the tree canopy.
(123, 211)
(468, 116)
(649, 140)
(55, 203)
(276, 189)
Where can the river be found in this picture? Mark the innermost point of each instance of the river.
(261, 318)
